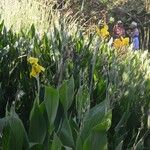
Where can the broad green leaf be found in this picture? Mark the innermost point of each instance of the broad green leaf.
(65, 133)
(47, 143)
(70, 91)
(56, 144)
(16, 126)
(43, 110)
(37, 129)
(42, 107)
(66, 92)
(18, 135)
(95, 126)
(6, 138)
(74, 128)
(98, 135)
(79, 145)
(93, 118)
(35, 146)
(14, 134)
(51, 100)
(96, 141)
(82, 101)
(105, 124)
(64, 95)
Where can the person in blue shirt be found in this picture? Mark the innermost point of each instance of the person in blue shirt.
(134, 34)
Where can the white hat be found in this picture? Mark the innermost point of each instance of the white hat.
(119, 22)
(134, 24)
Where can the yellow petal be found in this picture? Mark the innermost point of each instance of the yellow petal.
(126, 41)
(118, 43)
(42, 68)
(33, 60)
(33, 73)
(121, 42)
(36, 69)
(103, 32)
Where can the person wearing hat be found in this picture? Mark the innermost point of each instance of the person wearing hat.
(134, 34)
(118, 30)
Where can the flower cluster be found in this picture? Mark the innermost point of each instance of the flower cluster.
(121, 42)
(36, 68)
(104, 33)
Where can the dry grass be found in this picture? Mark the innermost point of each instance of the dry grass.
(21, 14)
(18, 14)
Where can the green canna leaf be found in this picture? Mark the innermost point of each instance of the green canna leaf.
(93, 118)
(56, 144)
(37, 129)
(105, 123)
(51, 100)
(35, 146)
(82, 102)
(14, 134)
(95, 126)
(96, 141)
(66, 92)
(65, 133)
(6, 138)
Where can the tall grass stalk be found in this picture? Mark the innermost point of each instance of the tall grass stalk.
(20, 14)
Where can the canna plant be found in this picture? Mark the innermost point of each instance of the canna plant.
(52, 126)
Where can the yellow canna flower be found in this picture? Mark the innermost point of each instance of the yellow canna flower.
(33, 60)
(103, 32)
(36, 68)
(121, 42)
(118, 43)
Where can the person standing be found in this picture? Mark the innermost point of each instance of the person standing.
(134, 35)
(118, 30)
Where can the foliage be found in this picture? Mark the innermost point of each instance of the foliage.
(45, 134)
(92, 91)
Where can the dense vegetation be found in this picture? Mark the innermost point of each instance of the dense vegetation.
(90, 96)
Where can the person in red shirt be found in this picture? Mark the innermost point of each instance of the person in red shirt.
(118, 30)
